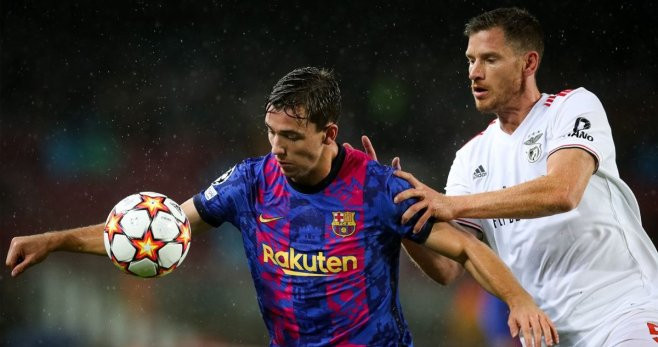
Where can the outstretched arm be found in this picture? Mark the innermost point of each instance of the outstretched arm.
(495, 277)
(25, 251)
(560, 190)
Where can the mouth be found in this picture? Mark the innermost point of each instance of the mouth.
(479, 92)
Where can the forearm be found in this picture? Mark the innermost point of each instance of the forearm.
(568, 172)
(441, 269)
(479, 260)
(496, 278)
(87, 239)
(493, 275)
(540, 197)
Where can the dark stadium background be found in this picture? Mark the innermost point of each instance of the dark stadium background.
(101, 100)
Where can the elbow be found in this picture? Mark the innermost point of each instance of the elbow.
(450, 275)
(565, 199)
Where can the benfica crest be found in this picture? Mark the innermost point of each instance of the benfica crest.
(343, 224)
(533, 149)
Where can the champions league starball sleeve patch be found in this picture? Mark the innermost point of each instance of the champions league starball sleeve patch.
(211, 192)
(218, 202)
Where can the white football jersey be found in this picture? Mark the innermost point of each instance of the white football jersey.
(583, 267)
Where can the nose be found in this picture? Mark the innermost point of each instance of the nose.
(277, 148)
(475, 70)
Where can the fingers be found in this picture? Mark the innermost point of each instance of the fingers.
(513, 327)
(14, 261)
(23, 253)
(556, 336)
(527, 333)
(421, 221)
(408, 194)
(548, 332)
(412, 210)
(396, 163)
(12, 255)
(367, 146)
(533, 324)
(18, 269)
(536, 330)
(515, 323)
(533, 327)
(409, 177)
(347, 145)
(552, 332)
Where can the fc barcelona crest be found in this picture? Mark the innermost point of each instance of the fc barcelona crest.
(343, 223)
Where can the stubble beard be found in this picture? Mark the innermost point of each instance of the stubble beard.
(503, 100)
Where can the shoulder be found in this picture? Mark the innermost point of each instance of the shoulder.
(574, 108)
(247, 169)
(577, 98)
(257, 161)
(356, 161)
(376, 175)
(356, 156)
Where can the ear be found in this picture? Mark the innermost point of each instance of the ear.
(530, 63)
(330, 134)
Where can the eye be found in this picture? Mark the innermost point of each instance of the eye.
(292, 137)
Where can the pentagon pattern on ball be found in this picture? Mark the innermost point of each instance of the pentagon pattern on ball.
(164, 227)
(147, 235)
(122, 248)
(135, 223)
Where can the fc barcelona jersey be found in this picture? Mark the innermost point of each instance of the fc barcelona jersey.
(324, 258)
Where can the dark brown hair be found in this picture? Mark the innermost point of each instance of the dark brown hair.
(313, 88)
(521, 29)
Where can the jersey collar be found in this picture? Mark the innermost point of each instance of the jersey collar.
(336, 164)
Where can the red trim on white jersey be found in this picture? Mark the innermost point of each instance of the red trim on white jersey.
(552, 97)
(481, 132)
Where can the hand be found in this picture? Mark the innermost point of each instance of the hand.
(435, 204)
(533, 323)
(370, 150)
(25, 251)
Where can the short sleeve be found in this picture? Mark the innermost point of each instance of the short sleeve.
(394, 186)
(220, 202)
(459, 183)
(581, 122)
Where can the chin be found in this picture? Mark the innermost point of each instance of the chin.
(485, 107)
(291, 174)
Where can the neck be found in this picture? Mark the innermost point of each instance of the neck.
(323, 168)
(513, 115)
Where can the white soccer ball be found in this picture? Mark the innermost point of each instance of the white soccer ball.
(147, 235)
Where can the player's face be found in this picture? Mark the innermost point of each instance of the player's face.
(296, 144)
(495, 70)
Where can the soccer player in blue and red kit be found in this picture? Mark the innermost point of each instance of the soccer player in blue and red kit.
(320, 230)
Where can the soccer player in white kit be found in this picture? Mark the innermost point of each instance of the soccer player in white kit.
(541, 185)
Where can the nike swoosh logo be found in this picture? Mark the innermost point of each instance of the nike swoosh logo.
(267, 220)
